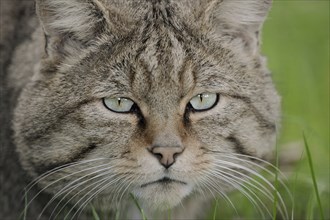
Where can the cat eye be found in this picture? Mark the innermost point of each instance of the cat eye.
(204, 101)
(119, 105)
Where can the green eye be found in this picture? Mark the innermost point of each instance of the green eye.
(119, 105)
(204, 101)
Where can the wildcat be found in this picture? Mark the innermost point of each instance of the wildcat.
(166, 102)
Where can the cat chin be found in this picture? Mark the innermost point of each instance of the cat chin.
(161, 197)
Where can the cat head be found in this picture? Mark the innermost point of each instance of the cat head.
(156, 98)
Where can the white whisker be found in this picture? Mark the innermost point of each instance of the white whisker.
(57, 169)
(240, 181)
(100, 189)
(68, 189)
(214, 185)
(127, 187)
(238, 186)
(256, 174)
(228, 181)
(62, 178)
(261, 167)
(98, 185)
(264, 190)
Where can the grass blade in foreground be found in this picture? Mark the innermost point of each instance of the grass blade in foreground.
(309, 156)
(95, 215)
(215, 209)
(25, 205)
(138, 206)
(275, 184)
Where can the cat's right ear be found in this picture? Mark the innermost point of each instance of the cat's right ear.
(237, 19)
(72, 25)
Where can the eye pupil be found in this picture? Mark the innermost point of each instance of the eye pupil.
(119, 101)
(200, 97)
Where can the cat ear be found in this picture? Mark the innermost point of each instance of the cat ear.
(71, 25)
(239, 19)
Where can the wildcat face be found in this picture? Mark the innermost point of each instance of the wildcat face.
(158, 99)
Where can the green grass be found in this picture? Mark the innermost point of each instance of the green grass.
(95, 214)
(25, 205)
(215, 210)
(276, 185)
(139, 207)
(296, 42)
(311, 166)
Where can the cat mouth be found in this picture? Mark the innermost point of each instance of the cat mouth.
(164, 181)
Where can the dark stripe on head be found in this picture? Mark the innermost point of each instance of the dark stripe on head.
(263, 122)
(237, 145)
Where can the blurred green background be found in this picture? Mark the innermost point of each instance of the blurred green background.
(295, 40)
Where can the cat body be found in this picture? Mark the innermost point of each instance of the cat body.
(155, 100)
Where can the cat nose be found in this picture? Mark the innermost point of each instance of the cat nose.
(166, 145)
(166, 155)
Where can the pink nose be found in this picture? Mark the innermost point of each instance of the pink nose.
(166, 155)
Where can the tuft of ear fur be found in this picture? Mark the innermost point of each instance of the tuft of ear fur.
(238, 18)
(71, 24)
(241, 13)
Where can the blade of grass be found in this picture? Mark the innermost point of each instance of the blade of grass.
(309, 156)
(117, 214)
(95, 215)
(275, 184)
(294, 189)
(310, 208)
(294, 196)
(25, 205)
(215, 210)
(138, 206)
(169, 214)
(24, 212)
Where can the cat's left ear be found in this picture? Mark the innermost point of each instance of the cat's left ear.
(238, 19)
(71, 25)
